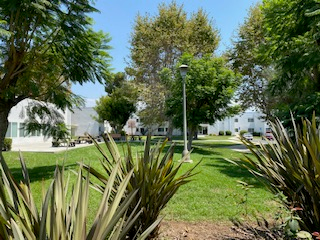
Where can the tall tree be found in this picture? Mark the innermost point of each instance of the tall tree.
(45, 46)
(278, 52)
(119, 104)
(245, 58)
(292, 31)
(210, 87)
(158, 41)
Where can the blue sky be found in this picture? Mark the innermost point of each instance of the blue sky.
(117, 18)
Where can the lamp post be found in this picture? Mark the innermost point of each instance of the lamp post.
(183, 71)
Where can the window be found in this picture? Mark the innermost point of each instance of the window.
(137, 129)
(236, 120)
(38, 132)
(268, 130)
(142, 130)
(236, 130)
(22, 132)
(8, 133)
(12, 130)
(161, 129)
(166, 129)
(250, 119)
(251, 130)
(137, 120)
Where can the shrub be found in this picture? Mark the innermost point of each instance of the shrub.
(242, 132)
(228, 133)
(221, 133)
(61, 217)
(257, 133)
(291, 166)
(155, 176)
(7, 144)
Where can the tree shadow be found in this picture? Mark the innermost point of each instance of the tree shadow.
(38, 173)
(231, 170)
(215, 145)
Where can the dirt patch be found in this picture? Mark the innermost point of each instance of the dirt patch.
(178, 230)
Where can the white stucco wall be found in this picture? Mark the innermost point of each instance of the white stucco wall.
(82, 122)
(17, 117)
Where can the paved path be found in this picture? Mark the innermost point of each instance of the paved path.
(43, 147)
(46, 146)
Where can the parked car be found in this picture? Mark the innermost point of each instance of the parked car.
(269, 136)
(248, 136)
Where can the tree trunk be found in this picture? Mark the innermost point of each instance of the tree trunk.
(4, 113)
(196, 135)
(190, 138)
(169, 134)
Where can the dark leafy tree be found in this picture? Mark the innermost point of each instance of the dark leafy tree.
(278, 52)
(210, 87)
(292, 31)
(245, 58)
(119, 104)
(45, 46)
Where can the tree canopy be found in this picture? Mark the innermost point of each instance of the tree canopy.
(278, 52)
(119, 104)
(292, 30)
(210, 87)
(45, 46)
(246, 59)
(158, 41)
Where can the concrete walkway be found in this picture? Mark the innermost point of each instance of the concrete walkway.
(43, 147)
(46, 146)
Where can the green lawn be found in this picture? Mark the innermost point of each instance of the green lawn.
(213, 195)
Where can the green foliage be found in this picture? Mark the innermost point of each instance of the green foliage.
(277, 51)
(210, 87)
(42, 116)
(228, 133)
(62, 216)
(7, 145)
(246, 59)
(242, 132)
(221, 133)
(291, 165)
(293, 44)
(257, 133)
(51, 45)
(157, 42)
(191, 203)
(119, 104)
(154, 176)
(116, 110)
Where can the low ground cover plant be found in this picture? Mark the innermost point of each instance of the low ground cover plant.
(291, 166)
(61, 217)
(209, 197)
(154, 177)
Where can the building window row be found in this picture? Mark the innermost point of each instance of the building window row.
(16, 129)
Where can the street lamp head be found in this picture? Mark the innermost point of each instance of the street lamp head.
(183, 70)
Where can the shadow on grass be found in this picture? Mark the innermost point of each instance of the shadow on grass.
(38, 173)
(234, 171)
(215, 145)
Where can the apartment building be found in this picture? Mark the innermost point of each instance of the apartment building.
(81, 121)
